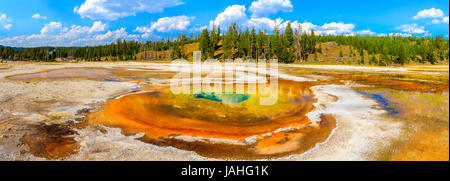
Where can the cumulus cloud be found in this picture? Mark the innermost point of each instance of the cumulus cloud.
(263, 8)
(76, 31)
(429, 13)
(412, 29)
(443, 20)
(271, 25)
(435, 21)
(306, 27)
(51, 27)
(114, 9)
(38, 16)
(232, 14)
(98, 26)
(55, 34)
(398, 34)
(264, 23)
(142, 29)
(364, 33)
(237, 14)
(167, 24)
(198, 29)
(146, 33)
(334, 28)
(5, 22)
(114, 35)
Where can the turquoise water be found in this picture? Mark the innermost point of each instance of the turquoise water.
(380, 98)
(224, 97)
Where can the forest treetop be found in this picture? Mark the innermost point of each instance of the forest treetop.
(288, 46)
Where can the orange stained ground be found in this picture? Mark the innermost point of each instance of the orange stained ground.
(161, 114)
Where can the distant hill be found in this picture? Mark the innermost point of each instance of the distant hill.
(14, 48)
(162, 55)
(330, 53)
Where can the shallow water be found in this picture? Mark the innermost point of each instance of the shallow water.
(381, 99)
(212, 120)
(223, 97)
(229, 125)
(65, 73)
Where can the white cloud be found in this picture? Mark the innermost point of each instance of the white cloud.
(263, 8)
(237, 14)
(364, 33)
(307, 27)
(5, 22)
(334, 28)
(412, 29)
(167, 24)
(38, 16)
(146, 33)
(55, 34)
(142, 29)
(76, 31)
(445, 19)
(7, 26)
(399, 34)
(114, 35)
(51, 27)
(264, 23)
(114, 9)
(232, 14)
(437, 21)
(13, 41)
(429, 13)
(98, 26)
(198, 29)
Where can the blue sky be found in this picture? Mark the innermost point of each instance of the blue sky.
(29, 23)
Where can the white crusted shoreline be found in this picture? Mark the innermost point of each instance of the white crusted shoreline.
(362, 129)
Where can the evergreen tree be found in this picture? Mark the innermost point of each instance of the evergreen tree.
(248, 44)
(260, 45)
(304, 41)
(205, 44)
(361, 53)
(373, 60)
(403, 57)
(289, 36)
(252, 45)
(312, 42)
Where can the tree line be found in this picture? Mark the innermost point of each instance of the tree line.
(291, 45)
(395, 49)
(249, 44)
(121, 50)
